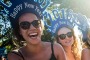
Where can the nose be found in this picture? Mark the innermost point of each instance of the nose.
(31, 27)
(67, 37)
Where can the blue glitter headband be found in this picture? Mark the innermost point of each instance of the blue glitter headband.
(17, 7)
(66, 18)
(62, 18)
(83, 24)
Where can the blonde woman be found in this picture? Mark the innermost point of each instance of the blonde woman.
(70, 42)
(63, 28)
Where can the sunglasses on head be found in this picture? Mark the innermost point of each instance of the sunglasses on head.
(63, 36)
(26, 25)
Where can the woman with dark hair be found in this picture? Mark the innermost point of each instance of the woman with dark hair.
(25, 17)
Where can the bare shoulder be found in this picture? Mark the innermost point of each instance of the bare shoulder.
(57, 46)
(14, 55)
(85, 54)
(59, 52)
(86, 50)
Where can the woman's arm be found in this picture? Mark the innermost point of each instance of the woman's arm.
(85, 54)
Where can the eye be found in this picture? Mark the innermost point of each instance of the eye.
(62, 36)
(69, 34)
(25, 25)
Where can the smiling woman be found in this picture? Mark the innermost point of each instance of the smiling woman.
(27, 25)
(67, 38)
(65, 35)
(62, 29)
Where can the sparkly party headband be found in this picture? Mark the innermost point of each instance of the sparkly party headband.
(61, 18)
(66, 18)
(83, 24)
(17, 7)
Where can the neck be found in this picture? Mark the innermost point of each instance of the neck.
(68, 49)
(69, 53)
(35, 48)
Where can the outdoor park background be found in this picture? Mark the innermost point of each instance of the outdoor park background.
(6, 35)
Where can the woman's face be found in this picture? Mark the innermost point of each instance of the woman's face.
(30, 28)
(65, 37)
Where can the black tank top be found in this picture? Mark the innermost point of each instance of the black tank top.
(52, 55)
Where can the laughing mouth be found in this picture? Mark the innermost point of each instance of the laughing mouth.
(33, 35)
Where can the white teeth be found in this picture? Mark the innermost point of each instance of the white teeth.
(33, 34)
